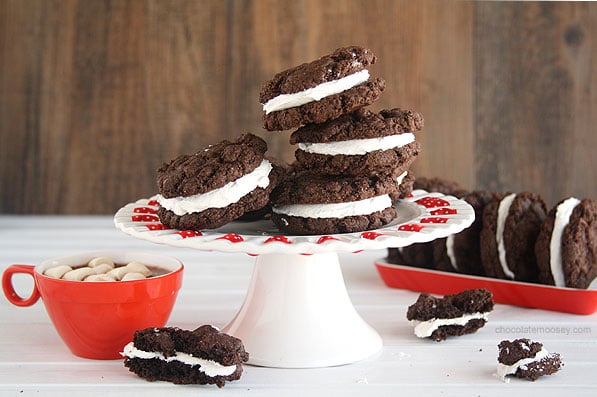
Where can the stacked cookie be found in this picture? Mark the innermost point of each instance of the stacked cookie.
(351, 163)
(513, 237)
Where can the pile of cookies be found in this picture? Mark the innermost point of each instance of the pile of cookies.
(513, 237)
(438, 318)
(351, 163)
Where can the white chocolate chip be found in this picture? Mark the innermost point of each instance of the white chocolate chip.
(138, 267)
(132, 276)
(101, 261)
(99, 277)
(102, 268)
(118, 272)
(78, 274)
(57, 271)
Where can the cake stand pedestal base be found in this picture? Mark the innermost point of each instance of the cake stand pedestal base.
(297, 314)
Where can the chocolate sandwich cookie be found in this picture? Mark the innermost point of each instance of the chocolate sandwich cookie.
(203, 356)
(321, 90)
(523, 358)
(566, 248)
(510, 230)
(322, 204)
(452, 315)
(362, 142)
(461, 252)
(216, 185)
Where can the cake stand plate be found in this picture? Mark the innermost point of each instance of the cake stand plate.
(297, 312)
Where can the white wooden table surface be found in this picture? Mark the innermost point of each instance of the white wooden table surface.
(34, 361)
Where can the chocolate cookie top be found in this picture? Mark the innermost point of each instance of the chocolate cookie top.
(341, 63)
(308, 188)
(205, 342)
(512, 351)
(428, 307)
(524, 358)
(360, 124)
(211, 167)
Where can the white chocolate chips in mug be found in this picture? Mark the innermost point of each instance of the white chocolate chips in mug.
(100, 269)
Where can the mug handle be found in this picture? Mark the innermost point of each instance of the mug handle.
(9, 289)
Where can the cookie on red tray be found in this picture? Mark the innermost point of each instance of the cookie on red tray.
(216, 185)
(362, 142)
(566, 248)
(510, 229)
(203, 356)
(322, 204)
(321, 90)
(461, 252)
(523, 358)
(415, 255)
(453, 315)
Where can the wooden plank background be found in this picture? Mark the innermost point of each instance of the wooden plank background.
(94, 95)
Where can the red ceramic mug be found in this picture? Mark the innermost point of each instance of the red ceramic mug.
(97, 319)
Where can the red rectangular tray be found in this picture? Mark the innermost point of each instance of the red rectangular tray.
(567, 300)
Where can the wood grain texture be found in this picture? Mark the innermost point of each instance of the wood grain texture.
(95, 94)
(535, 98)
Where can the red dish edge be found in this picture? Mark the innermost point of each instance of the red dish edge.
(567, 300)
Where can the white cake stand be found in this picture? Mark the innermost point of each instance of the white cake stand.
(297, 312)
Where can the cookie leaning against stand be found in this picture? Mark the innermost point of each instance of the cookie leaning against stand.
(216, 185)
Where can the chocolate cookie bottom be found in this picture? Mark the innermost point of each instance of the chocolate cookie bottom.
(349, 224)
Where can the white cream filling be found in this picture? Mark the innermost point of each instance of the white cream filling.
(504, 370)
(209, 367)
(561, 220)
(358, 147)
(450, 251)
(336, 210)
(424, 329)
(503, 210)
(221, 197)
(401, 177)
(287, 101)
